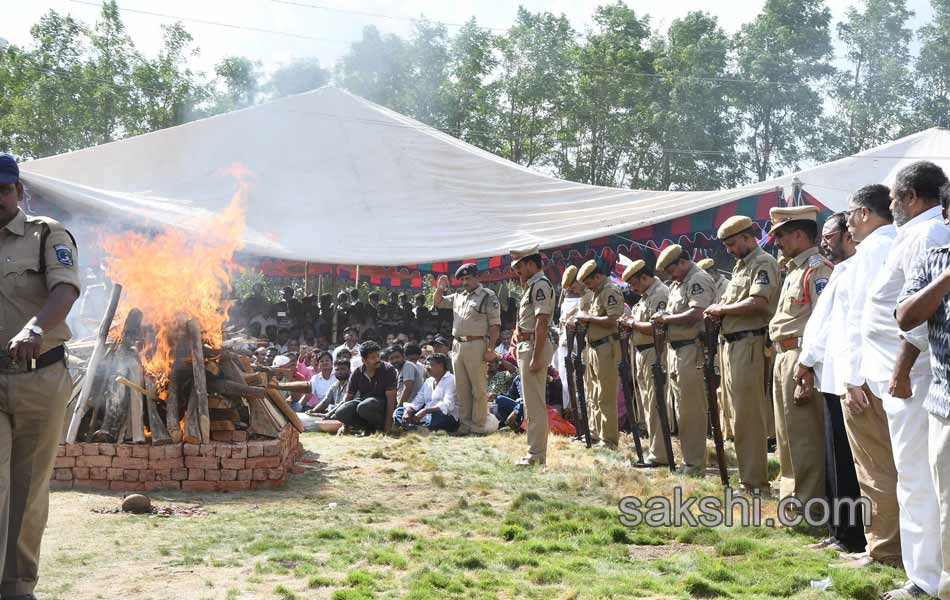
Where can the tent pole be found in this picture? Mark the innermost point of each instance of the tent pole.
(306, 278)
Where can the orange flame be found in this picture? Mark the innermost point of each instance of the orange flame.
(176, 276)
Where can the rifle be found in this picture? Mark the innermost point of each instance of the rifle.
(626, 381)
(710, 346)
(659, 382)
(578, 335)
(571, 387)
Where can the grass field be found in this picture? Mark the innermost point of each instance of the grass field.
(427, 518)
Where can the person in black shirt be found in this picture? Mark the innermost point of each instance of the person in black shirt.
(370, 395)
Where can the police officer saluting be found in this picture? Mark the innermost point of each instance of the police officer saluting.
(745, 310)
(690, 294)
(40, 285)
(475, 327)
(534, 348)
(603, 352)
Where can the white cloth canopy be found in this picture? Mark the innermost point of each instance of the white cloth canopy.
(338, 179)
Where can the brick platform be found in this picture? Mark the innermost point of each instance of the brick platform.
(226, 464)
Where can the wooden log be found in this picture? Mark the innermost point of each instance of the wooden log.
(98, 352)
(235, 390)
(119, 399)
(136, 399)
(262, 419)
(200, 387)
(160, 434)
(192, 432)
(172, 418)
(222, 426)
(278, 401)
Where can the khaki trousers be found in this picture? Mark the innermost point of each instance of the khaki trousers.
(939, 450)
(604, 376)
(644, 371)
(799, 433)
(870, 441)
(743, 382)
(32, 409)
(725, 402)
(686, 381)
(534, 388)
(471, 384)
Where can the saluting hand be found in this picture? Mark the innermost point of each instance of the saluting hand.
(442, 283)
(25, 345)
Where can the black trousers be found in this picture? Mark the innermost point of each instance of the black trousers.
(367, 414)
(841, 481)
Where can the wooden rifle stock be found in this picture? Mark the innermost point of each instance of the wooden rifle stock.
(710, 346)
(659, 382)
(578, 336)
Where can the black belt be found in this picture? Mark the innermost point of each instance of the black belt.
(735, 337)
(644, 347)
(682, 344)
(603, 340)
(12, 367)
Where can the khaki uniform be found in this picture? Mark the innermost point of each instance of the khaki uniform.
(538, 299)
(473, 313)
(799, 429)
(743, 364)
(720, 283)
(33, 404)
(603, 358)
(653, 300)
(685, 360)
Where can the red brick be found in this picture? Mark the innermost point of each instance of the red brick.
(151, 486)
(206, 450)
(254, 449)
(198, 486)
(73, 450)
(114, 474)
(272, 448)
(190, 449)
(91, 484)
(99, 473)
(239, 436)
(61, 450)
(130, 486)
(163, 474)
(147, 475)
(222, 426)
(234, 485)
(259, 475)
(263, 462)
(239, 451)
(57, 484)
(213, 475)
(165, 463)
(196, 474)
(94, 461)
(107, 449)
(80, 472)
(156, 452)
(202, 462)
(245, 474)
(123, 450)
(173, 451)
(228, 475)
(179, 474)
(63, 474)
(277, 473)
(140, 451)
(90, 449)
(130, 475)
(223, 451)
(233, 463)
(129, 463)
(65, 462)
(221, 436)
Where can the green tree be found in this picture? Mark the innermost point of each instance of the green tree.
(238, 76)
(786, 50)
(871, 94)
(931, 100)
(111, 89)
(375, 68)
(470, 97)
(301, 75)
(427, 73)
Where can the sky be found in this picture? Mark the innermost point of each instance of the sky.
(326, 32)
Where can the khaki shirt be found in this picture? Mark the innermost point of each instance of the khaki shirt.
(538, 299)
(721, 284)
(607, 302)
(695, 291)
(755, 275)
(654, 300)
(24, 288)
(472, 312)
(808, 273)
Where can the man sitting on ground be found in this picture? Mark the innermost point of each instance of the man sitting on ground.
(411, 375)
(435, 406)
(370, 394)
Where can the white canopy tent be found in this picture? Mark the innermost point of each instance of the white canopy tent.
(338, 179)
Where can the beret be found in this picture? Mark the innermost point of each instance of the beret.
(733, 225)
(466, 269)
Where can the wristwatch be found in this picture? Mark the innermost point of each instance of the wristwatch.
(35, 330)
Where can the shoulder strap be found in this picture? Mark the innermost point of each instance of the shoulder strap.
(43, 237)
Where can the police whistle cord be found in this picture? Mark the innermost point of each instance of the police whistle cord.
(659, 382)
(579, 332)
(626, 380)
(710, 346)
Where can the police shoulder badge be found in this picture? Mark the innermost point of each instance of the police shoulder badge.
(611, 300)
(762, 277)
(697, 289)
(64, 255)
(820, 285)
(539, 295)
(661, 305)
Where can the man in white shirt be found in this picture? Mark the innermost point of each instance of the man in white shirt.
(436, 405)
(350, 342)
(897, 370)
(819, 366)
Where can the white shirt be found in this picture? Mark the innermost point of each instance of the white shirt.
(439, 395)
(321, 386)
(824, 346)
(354, 350)
(880, 335)
(867, 262)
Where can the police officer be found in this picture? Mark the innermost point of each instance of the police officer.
(745, 310)
(690, 294)
(573, 293)
(475, 327)
(709, 265)
(654, 296)
(40, 285)
(799, 423)
(534, 348)
(603, 353)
